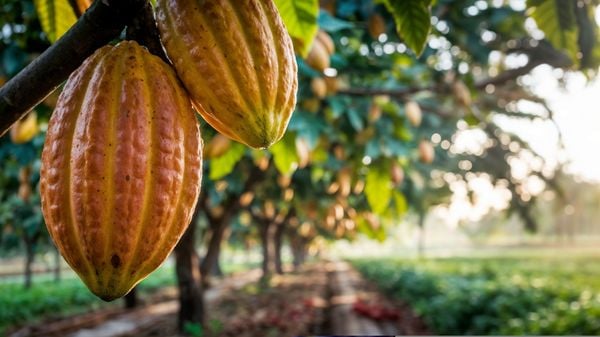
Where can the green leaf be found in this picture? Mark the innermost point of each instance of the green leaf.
(56, 17)
(378, 188)
(223, 165)
(284, 154)
(556, 18)
(413, 21)
(300, 18)
(400, 202)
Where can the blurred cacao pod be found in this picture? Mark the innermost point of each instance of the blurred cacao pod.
(24, 191)
(376, 25)
(303, 152)
(426, 152)
(374, 112)
(462, 94)
(319, 87)
(25, 129)
(217, 146)
(397, 174)
(413, 113)
(237, 61)
(332, 85)
(326, 41)
(318, 57)
(121, 168)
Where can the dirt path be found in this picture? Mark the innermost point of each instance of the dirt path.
(121, 322)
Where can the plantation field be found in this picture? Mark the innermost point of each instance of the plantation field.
(508, 296)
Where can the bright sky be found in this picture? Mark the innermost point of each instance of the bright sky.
(577, 113)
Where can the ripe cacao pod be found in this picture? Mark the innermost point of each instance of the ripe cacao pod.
(413, 113)
(374, 112)
(376, 25)
(397, 174)
(426, 152)
(237, 61)
(326, 41)
(121, 168)
(318, 57)
(462, 94)
(318, 87)
(217, 146)
(25, 130)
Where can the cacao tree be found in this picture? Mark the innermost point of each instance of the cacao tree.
(384, 90)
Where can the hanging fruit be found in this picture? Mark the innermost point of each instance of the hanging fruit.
(121, 168)
(237, 61)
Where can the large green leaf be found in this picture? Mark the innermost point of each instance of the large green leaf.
(56, 17)
(300, 18)
(284, 154)
(556, 18)
(223, 165)
(413, 21)
(378, 188)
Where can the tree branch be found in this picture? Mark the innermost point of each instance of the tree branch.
(143, 29)
(103, 22)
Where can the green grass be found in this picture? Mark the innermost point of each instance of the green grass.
(509, 296)
(48, 299)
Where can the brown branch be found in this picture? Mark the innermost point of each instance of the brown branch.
(501, 79)
(103, 22)
(143, 29)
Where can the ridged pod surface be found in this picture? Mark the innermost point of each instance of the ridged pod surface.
(121, 168)
(237, 61)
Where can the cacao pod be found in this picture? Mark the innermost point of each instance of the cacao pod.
(376, 25)
(318, 58)
(24, 191)
(217, 146)
(319, 87)
(121, 168)
(312, 105)
(397, 174)
(374, 112)
(462, 94)
(237, 61)
(326, 41)
(344, 179)
(332, 84)
(413, 113)
(25, 130)
(303, 152)
(83, 5)
(426, 152)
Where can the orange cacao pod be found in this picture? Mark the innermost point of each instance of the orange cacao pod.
(376, 25)
(121, 168)
(318, 58)
(426, 152)
(326, 41)
(318, 87)
(237, 61)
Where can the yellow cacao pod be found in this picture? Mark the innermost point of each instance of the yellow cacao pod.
(413, 113)
(318, 87)
(25, 130)
(121, 168)
(326, 41)
(237, 61)
(318, 57)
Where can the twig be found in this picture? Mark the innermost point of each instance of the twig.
(103, 22)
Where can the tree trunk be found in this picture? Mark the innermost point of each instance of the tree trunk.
(210, 262)
(265, 241)
(191, 306)
(131, 299)
(421, 243)
(57, 264)
(277, 247)
(29, 258)
(298, 250)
